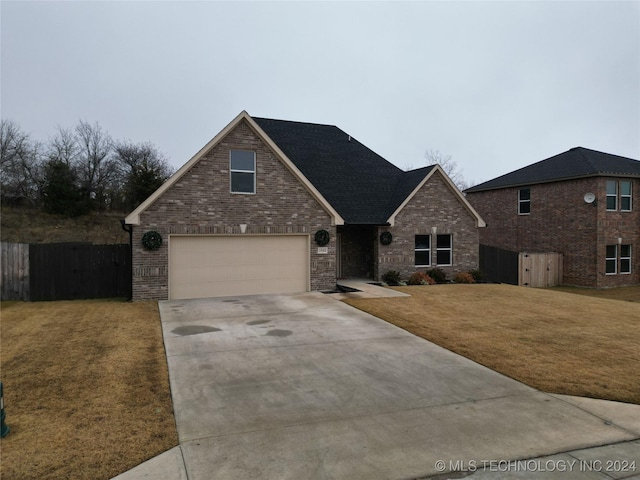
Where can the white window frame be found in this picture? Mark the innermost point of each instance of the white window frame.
(629, 196)
(448, 249)
(612, 195)
(625, 258)
(613, 259)
(522, 202)
(422, 250)
(232, 171)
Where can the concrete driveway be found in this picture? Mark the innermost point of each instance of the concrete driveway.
(304, 386)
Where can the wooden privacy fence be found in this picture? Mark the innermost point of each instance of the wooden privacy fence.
(524, 269)
(540, 270)
(68, 271)
(15, 271)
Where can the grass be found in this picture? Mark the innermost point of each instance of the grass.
(86, 388)
(548, 339)
(27, 225)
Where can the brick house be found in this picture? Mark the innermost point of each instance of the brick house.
(272, 206)
(578, 203)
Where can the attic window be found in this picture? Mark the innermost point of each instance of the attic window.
(242, 167)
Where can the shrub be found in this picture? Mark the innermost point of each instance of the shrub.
(438, 275)
(464, 277)
(477, 275)
(391, 277)
(420, 278)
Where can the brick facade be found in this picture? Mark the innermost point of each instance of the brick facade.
(434, 206)
(560, 221)
(200, 203)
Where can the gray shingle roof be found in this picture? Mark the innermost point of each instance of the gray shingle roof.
(575, 163)
(363, 187)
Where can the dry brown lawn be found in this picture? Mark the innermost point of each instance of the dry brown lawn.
(551, 340)
(85, 387)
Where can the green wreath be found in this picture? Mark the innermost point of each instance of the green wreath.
(151, 240)
(322, 237)
(386, 238)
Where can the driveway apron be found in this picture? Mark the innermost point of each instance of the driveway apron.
(304, 386)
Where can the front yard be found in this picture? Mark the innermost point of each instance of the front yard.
(86, 388)
(86, 385)
(554, 341)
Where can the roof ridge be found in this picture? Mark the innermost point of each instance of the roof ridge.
(585, 158)
(295, 121)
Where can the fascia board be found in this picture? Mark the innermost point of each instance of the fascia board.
(479, 221)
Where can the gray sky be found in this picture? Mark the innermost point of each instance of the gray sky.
(497, 85)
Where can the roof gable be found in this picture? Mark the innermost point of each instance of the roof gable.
(575, 163)
(134, 217)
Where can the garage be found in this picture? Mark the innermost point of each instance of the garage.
(219, 266)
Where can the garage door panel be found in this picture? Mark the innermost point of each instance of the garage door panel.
(213, 266)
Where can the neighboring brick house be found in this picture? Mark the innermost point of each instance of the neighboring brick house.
(579, 203)
(270, 206)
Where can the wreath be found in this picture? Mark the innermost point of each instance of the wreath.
(151, 240)
(322, 237)
(386, 238)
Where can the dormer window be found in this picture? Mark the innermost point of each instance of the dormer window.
(242, 168)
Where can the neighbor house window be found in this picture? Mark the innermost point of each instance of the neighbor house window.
(612, 195)
(524, 201)
(612, 260)
(242, 165)
(625, 196)
(423, 251)
(443, 250)
(625, 258)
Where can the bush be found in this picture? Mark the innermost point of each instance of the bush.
(464, 277)
(391, 277)
(438, 275)
(477, 275)
(420, 278)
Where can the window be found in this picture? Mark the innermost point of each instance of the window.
(612, 259)
(242, 165)
(625, 258)
(624, 189)
(625, 196)
(615, 254)
(612, 195)
(524, 201)
(443, 250)
(423, 251)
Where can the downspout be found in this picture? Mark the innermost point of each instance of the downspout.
(129, 229)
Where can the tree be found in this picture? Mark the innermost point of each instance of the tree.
(95, 168)
(60, 192)
(449, 165)
(19, 164)
(143, 168)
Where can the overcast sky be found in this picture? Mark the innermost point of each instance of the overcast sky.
(496, 85)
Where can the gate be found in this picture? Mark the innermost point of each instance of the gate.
(539, 270)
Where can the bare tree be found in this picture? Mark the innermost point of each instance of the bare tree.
(63, 147)
(95, 166)
(143, 169)
(449, 165)
(20, 163)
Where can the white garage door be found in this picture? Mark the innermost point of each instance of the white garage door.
(219, 266)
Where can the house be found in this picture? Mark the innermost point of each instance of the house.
(271, 206)
(579, 203)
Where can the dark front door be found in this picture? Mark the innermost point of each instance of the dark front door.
(356, 251)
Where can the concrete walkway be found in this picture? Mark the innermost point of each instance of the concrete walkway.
(304, 386)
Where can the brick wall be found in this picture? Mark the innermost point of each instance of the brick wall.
(200, 203)
(560, 221)
(435, 205)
